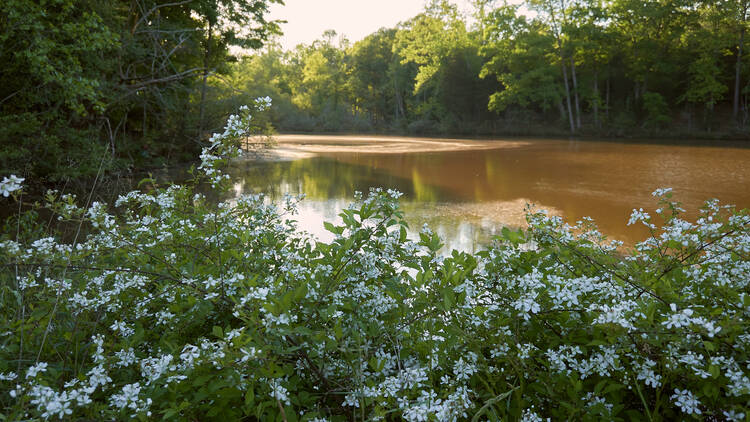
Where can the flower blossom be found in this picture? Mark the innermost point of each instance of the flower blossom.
(10, 184)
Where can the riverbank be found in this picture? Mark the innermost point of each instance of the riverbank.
(293, 146)
(679, 132)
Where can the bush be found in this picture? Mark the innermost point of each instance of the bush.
(179, 308)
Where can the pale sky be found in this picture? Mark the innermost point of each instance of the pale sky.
(308, 19)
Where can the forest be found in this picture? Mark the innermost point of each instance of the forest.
(115, 85)
(143, 83)
(614, 68)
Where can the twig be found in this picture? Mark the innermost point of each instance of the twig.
(154, 9)
(70, 257)
(281, 408)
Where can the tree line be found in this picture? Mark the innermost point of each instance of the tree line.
(90, 84)
(608, 67)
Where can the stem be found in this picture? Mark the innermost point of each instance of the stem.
(70, 257)
(643, 400)
(18, 289)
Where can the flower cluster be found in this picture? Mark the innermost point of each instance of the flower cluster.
(10, 185)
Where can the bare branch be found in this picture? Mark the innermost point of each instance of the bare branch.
(170, 78)
(155, 8)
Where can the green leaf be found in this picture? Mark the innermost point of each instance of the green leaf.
(330, 227)
(250, 397)
(612, 387)
(714, 371)
(448, 298)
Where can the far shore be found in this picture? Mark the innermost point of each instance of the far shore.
(376, 144)
(291, 146)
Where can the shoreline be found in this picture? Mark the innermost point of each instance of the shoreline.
(295, 146)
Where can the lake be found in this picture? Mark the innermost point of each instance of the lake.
(467, 190)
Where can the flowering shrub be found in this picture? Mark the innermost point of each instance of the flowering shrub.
(180, 308)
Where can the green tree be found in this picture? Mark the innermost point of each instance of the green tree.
(53, 96)
(372, 84)
(86, 76)
(520, 52)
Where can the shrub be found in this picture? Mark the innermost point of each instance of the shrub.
(175, 307)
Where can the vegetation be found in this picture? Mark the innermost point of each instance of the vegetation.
(615, 67)
(181, 308)
(172, 304)
(117, 84)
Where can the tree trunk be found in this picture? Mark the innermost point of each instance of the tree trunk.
(737, 75)
(206, 57)
(395, 100)
(596, 99)
(636, 92)
(575, 92)
(143, 124)
(567, 97)
(606, 102)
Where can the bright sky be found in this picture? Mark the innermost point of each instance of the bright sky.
(308, 19)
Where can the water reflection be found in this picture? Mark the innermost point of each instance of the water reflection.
(468, 195)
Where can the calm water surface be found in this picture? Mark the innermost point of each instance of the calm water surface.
(469, 195)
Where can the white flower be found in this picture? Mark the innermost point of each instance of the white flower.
(279, 392)
(527, 305)
(678, 320)
(126, 357)
(129, 396)
(529, 415)
(36, 369)
(153, 368)
(686, 401)
(647, 375)
(351, 400)
(464, 370)
(734, 416)
(123, 328)
(98, 376)
(10, 376)
(661, 192)
(10, 184)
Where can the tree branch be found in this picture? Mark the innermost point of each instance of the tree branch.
(154, 9)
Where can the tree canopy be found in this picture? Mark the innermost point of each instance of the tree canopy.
(613, 68)
(89, 83)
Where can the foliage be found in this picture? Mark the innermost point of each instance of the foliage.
(91, 85)
(588, 62)
(53, 54)
(176, 307)
(656, 109)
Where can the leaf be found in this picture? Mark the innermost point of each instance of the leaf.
(612, 387)
(249, 397)
(448, 298)
(714, 371)
(170, 413)
(217, 331)
(337, 331)
(201, 380)
(491, 402)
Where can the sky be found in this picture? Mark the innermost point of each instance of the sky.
(308, 19)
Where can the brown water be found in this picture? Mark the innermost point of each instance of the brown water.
(468, 190)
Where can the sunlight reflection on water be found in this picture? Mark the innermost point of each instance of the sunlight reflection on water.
(468, 194)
